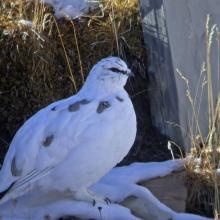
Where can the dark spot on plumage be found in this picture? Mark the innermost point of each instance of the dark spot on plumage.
(14, 170)
(74, 107)
(119, 99)
(102, 106)
(84, 102)
(116, 70)
(54, 108)
(2, 194)
(48, 140)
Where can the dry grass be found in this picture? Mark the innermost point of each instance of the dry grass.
(50, 59)
(202, 180)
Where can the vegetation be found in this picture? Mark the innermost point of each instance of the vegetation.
(203, 161)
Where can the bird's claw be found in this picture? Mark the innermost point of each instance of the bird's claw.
(108, 201)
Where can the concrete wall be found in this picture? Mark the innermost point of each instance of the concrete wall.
(175, 36)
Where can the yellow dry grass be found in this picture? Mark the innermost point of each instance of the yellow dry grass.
(202, 179)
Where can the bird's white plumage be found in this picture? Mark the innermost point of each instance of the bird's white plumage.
(72, 143)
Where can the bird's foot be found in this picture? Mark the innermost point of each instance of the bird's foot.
(106, 200)
(88, 195)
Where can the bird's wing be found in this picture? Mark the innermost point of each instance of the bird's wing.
(43, 141)
(47, 138)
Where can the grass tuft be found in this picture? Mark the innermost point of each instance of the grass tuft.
(203, 180)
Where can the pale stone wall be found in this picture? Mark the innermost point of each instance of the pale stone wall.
(178, 28)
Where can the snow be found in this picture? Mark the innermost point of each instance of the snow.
(183, 216)
(71, 8)
(120, 178)
(25, 22)
(117, 185)
(68, 8)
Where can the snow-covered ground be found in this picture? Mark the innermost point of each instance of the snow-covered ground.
(71, 8)
(119, 184)
(68, 8)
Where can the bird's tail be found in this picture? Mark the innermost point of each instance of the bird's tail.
(23, 185)
(6, 181)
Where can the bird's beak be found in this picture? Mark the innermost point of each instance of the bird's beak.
(130, 73)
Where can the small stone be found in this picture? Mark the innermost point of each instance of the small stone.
(14, 170)
(74, 107)
(102, 106)
(119, 99)
(48, 140)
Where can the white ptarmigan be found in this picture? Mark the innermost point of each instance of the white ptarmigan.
(70, 144)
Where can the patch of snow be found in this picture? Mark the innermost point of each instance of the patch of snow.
(117, 185)
(79, 209)
(25, 22)
(71, 8)
(184, 216)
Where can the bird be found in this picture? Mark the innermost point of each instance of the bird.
(72, 143)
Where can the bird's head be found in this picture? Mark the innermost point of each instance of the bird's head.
(109, 73)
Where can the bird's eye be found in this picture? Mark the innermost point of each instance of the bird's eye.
(114, 69)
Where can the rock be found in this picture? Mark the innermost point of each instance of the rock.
(170, 190)
(144, 210)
